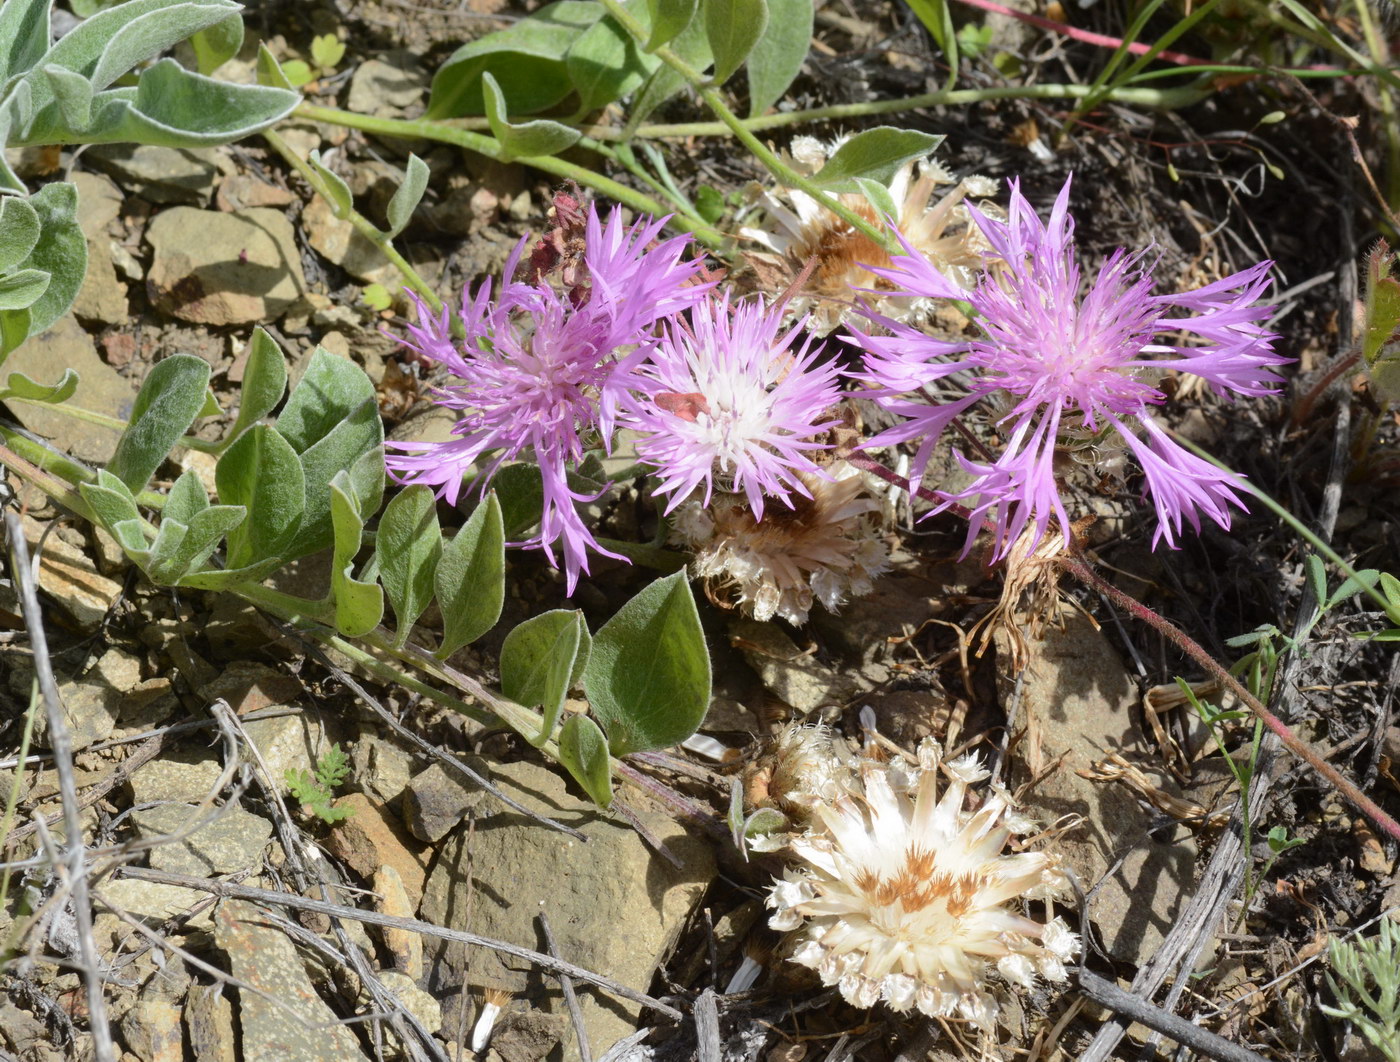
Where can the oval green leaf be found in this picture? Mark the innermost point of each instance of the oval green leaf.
(409, 545)
(541, 660)
(170, 399)
(584, 754)
(733, 28)
(471, 578)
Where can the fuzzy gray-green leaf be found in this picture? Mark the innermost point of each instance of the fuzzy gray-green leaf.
(470, 581)
(261, 472)
(777, 58)
(541, 660)
(264, 382)
(170, 399)
(584, 753)
(409, 544)
(733, 28)
(407, 196)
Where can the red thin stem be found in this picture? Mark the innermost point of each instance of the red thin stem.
(1086, 36)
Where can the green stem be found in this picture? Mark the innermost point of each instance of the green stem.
(490, 148)
(361, 223)
(67, 409)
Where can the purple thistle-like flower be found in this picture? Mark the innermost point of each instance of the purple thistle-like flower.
(540, 377)
(728, 395)
(1057, 361)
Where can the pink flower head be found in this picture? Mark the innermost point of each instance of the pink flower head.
(726, 394)
(1058, 359)
(539, 373)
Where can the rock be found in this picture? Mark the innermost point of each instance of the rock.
(613, 904)
(793, 676)
(381, 766)
(151, 1029)
(184, 775)
(209, 1024)
(440, 797)
(223, 269)
(404, 945)
(372, 838)
(1080, 700)
(153, 902)
(337, 241)
(100, 389)
(68, 576)
(417, 1002)
(243, 190)
(388, 85)
(92, 701)
(148, 704)
(248, 686)
(286, 743)
(232, 839)
(158, 174)
(276, 1018)
(99, 202)
(102, 297)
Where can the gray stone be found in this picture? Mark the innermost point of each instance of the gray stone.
(286, 743)
(159, 174)
(388, 85)
(151, 1029)
(793, 676)
(231, 839)
(102, 297)
(99, 202)
(209, 1024)
(404, 945)
(181, 775)
(92, 701)
(69, 577)
(380, 766)
(439, 797)
(613, 904)
(100, 389)
(276, 1018)
(224, 269)
(1078, 700)
(153, 902)
(414, 1000)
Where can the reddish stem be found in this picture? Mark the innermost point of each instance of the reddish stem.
(1086, 36)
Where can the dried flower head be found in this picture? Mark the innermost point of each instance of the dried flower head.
(1056, 363)
(797, 229)
(540, 370)
(900, 894)
(825, 548)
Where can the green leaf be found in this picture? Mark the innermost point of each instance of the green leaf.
(226, 578)
(876, 154)
(329, 391)
(521, 490)
(359, 605)
(271, 73)
(261, 472)
(1317, 578)
(541, 660)
(217, 44)
(264, 382)
(733, 28)
(584, 754)
(777, 58)
(648, 677)
(692, 46)
(668, 19)
(61, 252)
(170, 399)
(409, 544)
(355, 445)
(327, 51)
(605, 64)
(19, 231)
(879, 197)
(14, 330)
(21, 386)
(337, 191)
(186, 500)
(24, 35)
(22, 289)
(1381, 302)
(1365, 579)
(407, 196)
(938, 20)
(74, 95)
(206, 530)
(470, 581)
(523, 139)
(526, 59)
(110, 500)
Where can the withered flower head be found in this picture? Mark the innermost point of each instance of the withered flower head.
(825, 548)
(797, 229)
(901, 893)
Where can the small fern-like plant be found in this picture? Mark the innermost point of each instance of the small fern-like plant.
(1367, 986)
(316, 791)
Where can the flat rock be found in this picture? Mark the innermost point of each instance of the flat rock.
(159, 174)
(440, 797)
(249, 686)
(243, 190)
(68, 575)
(185, 775)
(382, 766)
(795, 677)
(371, 838)
(153, 902)
(277, 1019)
(99, 202)
(1080, 700)
(100, 389)
(286, 743)
(92, 701)
(404, 945)
(218, 269)
(339, 242)
(151, 1029)
(614, 905)
(209, 1024)
(102, 298)
(387, 85)
(232, 839)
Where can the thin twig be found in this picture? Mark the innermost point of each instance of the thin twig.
(1178, 1028)
(570, 997)
(547, 963)
(60, 742)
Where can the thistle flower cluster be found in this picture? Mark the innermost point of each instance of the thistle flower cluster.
(545, 371)
(901, 890)
(1055, 363)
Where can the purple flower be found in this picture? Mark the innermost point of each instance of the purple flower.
(727, 395)
(1054, 361)
(540, 373)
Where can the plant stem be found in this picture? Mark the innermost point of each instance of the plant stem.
(1075, 565)
(361, 223)
(67, 409)
(490, 148)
